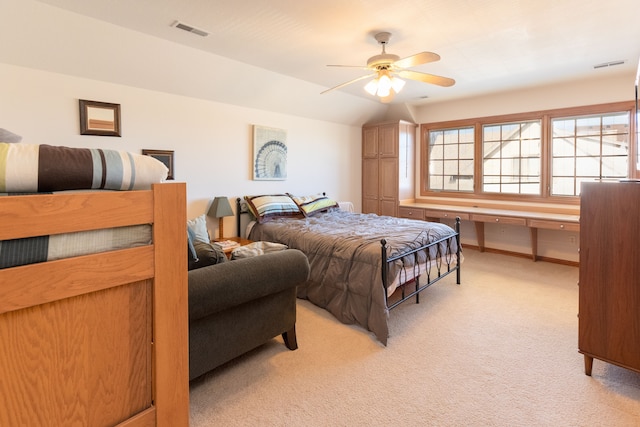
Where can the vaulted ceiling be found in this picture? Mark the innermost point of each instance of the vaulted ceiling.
(485, 45)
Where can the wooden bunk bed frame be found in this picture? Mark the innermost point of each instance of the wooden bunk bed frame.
(97, 339)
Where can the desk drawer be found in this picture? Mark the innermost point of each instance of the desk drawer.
(445, 214)
(554, 225)
(499, 219)
(412, 213)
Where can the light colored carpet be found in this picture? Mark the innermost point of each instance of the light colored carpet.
(498, 350)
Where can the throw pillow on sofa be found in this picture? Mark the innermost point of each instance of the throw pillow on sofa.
(207, 254)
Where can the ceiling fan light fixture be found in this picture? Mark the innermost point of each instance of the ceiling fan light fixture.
(384, 85)
(397, 84)
(372, 86)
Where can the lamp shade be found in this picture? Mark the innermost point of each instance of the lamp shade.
(219, 208)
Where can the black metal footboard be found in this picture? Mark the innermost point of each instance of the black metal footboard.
(435, 268)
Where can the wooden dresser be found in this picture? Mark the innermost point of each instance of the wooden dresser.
(609, 301)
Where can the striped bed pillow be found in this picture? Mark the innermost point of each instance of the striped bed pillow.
(266, 207)
(41, 167)
(311, 205)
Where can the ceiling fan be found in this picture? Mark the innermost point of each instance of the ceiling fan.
(387, 68)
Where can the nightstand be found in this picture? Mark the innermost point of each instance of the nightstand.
(240, 240)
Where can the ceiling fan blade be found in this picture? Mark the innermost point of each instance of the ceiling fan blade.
(426, 78)
(417, 59)
(349, 82)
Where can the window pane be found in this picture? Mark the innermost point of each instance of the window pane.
(615, 145)
(466, 184)
(531, 148)
(530, 188)
(466, 151)
(512, 151)
(436, 168)
(510, 167)
(588, 126)
(447, 153)
(588, 166)
(563, 186)
(491, 133)
(450, 151)
(563, 147)
(436, 152)
(563, 167)
(511, 132)
(510, 188)
(531, 130)
(451, 167)
(530, 167)
(588, 146)
(435, 182)
(451, 136)
(614, 167)
(466, 168)
(564, 127)
(491, 167)
(467, 135)
(601, 150)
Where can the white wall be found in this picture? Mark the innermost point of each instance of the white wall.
(212, 141)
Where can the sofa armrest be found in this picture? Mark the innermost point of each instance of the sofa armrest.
(229, 284)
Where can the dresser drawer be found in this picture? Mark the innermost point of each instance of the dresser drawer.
(445, 214)
(499, 219)
(413, 213)
(554, 225)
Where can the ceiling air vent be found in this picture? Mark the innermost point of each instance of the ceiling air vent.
(189, 28)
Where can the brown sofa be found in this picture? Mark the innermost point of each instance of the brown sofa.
(238, 305)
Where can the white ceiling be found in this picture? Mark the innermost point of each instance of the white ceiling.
(485, 45)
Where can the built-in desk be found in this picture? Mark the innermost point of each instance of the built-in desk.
(480, 215)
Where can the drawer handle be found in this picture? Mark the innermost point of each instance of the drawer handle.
(561, 225)
(446, 215)
(497, 219)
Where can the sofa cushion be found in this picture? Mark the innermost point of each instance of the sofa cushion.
(206, 254)
(199, 227)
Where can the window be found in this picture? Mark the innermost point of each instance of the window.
(511, 158)
(588, 148)
(451, 159)
(537, 156)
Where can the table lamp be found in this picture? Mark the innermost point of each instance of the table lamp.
(220, 208)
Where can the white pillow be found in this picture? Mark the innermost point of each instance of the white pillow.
(199, 227)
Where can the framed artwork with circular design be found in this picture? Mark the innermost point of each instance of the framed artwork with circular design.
(269, 154)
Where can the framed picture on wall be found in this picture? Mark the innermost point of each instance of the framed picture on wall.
(99, 118)
(269, 154)
(165, 156)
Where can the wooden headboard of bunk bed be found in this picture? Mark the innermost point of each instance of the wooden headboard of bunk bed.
(96, 339)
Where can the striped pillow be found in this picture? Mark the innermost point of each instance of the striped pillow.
(266, 207)
(311, 205)
(38, 168)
